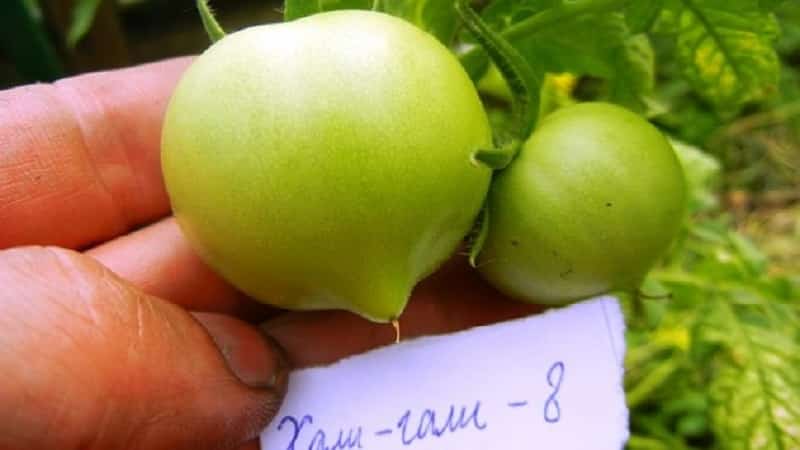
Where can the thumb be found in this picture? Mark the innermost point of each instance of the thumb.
(90, 362)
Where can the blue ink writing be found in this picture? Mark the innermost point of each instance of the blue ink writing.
(428, 425)
(350, 440)
(414, 425)
(552, 410)
(297, 427)
(353, 440)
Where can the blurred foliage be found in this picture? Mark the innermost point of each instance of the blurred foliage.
(83, 14)
(758, 147)
(716, 362)
(23, 39)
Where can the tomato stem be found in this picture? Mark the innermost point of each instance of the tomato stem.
(499, 157)
(213, 29)
(523, 81)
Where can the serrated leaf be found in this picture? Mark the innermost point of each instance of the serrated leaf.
(755, 392)
(83, 14)
(641, 14)
(725, 48)
(295, 9)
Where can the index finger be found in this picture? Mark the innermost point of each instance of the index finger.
(79, 159)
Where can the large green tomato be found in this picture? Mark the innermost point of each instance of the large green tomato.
(325, 163)
(593, 199)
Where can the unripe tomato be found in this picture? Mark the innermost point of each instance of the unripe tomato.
(592, 200)
(325, 163)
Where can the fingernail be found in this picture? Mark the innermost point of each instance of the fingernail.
(256, 359)
(282, 367)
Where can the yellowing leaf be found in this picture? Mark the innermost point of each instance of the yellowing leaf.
(726, 51)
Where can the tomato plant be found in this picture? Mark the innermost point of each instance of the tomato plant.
(326, 162)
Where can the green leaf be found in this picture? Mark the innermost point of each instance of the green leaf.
(437, 17)
(585, 45)
(641, 14)
(295, 9)
(83, 14)
(752, 258)
(725, 49)
(592, 39)
(598, 45)
(769, 5)
(755, 392)
(702, 173)
(504, 13)
(634, 73)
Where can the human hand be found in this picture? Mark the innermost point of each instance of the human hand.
(114, 334)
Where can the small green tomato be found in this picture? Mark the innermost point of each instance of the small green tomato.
(325, 163)
(590, 203)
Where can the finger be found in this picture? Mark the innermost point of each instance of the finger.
(80, 158)
(158, 260)
(91, 362)
(453, 299)
(252, 445)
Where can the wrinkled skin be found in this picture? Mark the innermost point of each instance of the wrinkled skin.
(593, 199)
(325, 163)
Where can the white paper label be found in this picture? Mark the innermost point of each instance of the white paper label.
(552, 381)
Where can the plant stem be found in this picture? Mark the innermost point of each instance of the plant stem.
(523, 82)
(213, 29)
